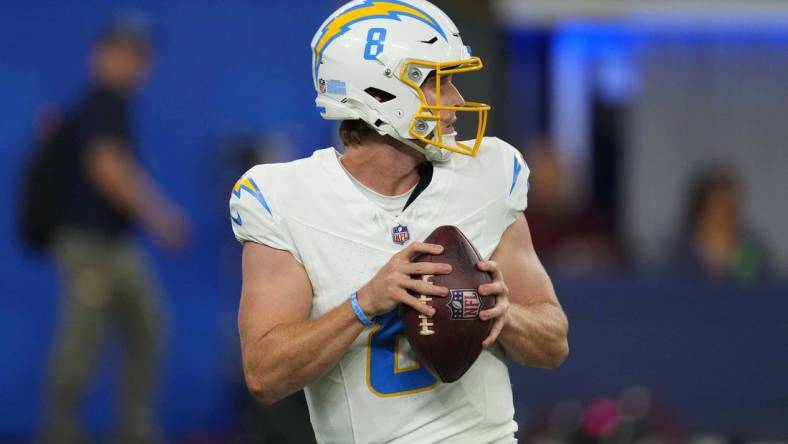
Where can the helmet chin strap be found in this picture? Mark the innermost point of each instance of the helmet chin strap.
(435, 153)
(432, 153)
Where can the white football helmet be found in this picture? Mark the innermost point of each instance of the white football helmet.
(369, 61)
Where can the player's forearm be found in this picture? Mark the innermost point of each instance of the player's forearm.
(536, 335)
(293, 355)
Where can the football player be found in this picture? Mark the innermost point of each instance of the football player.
(327, 241)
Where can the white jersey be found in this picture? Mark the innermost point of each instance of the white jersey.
(379, 392)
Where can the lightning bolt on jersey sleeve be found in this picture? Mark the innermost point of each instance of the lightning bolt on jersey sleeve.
(517, 187)
(253, 215)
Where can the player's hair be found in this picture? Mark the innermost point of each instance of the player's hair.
(353, 132)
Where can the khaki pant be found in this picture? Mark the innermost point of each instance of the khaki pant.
(107, 291)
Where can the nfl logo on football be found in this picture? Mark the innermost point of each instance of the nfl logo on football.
(400, 234)
(464, 304)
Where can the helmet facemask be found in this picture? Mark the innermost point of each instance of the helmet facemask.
(426, 123)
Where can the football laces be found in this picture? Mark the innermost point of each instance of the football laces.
(424, 321)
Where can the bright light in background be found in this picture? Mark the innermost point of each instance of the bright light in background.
(712, 13)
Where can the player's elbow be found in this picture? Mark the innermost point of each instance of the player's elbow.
(558, 355)
(261, 381)
(558, 348)
(547, 356)
(261, 389)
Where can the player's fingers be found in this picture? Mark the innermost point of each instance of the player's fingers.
(491, 267)
(415, 303)
(497, 287)
(500, 309)
(420, 247)
(423, 287)
(496, 330)
(425, 268)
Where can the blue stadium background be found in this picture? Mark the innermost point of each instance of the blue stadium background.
(220, 70)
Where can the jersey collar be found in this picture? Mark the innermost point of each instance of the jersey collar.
(429, 203)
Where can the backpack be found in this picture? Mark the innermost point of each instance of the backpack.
(44, 189)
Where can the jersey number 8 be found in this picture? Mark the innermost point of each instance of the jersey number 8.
(385, 376)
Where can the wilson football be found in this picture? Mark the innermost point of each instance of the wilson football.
(449, 342)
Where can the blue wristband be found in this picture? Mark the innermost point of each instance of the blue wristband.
(359, 312)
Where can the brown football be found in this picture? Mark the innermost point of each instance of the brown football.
(449, 342)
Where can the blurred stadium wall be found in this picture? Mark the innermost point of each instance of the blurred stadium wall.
(694, 82)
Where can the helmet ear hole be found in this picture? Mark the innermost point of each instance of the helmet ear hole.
(380, 95)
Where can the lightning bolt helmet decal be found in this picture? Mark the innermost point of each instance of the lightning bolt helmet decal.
(370, 9)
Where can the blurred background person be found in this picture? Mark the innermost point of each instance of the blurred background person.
(576, 238)
(716, 243)
(101, 192)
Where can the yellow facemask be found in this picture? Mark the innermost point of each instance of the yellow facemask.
(418, 126)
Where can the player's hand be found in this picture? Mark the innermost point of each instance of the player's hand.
(389, 287)
(501, 309)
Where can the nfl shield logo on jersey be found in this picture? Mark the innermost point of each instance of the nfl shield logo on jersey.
(464, 304)
(400, 234)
